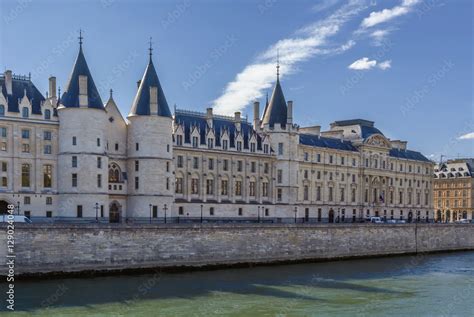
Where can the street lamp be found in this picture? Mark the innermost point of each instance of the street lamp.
(150, 213)
(18, 207)
(96, 212)
(296, 212)
(201, 213)
(165, 208)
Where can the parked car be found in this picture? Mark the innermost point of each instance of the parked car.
(376, 220)
(463, 221)
(401, 221)
(391, 221)
(16, 218)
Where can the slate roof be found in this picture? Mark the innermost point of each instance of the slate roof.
(368, 131)
(276, 111)
(318, 141)
(141, 103)
(70, 97)
(362, 122)
(220, 123)
(19, 85)
(408, 154)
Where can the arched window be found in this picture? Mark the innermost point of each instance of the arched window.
(2, 110)
(25, 112)
(114, 174)
(47, 114)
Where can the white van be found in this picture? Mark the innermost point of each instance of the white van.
(376, 220)
(16, 218)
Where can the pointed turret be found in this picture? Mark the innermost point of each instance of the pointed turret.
(150, 98)
(276, 111)
(81, 90)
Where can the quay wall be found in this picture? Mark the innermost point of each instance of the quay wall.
(67, 248)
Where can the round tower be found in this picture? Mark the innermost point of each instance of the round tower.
(82, 160)
(150, 151)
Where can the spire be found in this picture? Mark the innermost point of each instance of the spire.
(80, 39)
(151, 48)
(70, 97)
(278, 64)
(111, 93)
(142, 102)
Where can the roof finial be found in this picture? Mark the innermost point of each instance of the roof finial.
(80, 38)
(151, 47)
(111, 92)
(278, 64)
(266, 103)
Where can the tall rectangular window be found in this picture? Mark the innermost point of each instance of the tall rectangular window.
(279, 176)
(239, 146)
(137, 146)
(252, 189)
(239, 166)
(194, 186)
(99, 181)
(99, 162)
(224, 187)
(74, 180)
(225, 145)
(137, 166)
(47, 149)
(74, 140)
(4, 166)
(47, 176)
(280, 148)
(25, 134)
(195, 162)
(195, 141)
(210, 186)
(74, 161)
(137, 182)
(47, 135)
(179, 185)
(3, 132)
(180, 161)
(225, 167)
(79, 211)
(25, 175)
(265, 189)
(98, 141)
(210, 164)
(238, 188)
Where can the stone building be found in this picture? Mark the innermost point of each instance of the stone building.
(453, 190)
(75, 157)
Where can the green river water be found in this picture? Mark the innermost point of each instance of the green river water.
(425, 285)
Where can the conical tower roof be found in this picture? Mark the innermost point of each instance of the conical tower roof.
(70, 97)
(276, 111)
(141, 103)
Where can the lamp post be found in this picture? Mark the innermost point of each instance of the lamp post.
(165, 208)
(150, 213)
(96, 212)
(296, 212)
(201, 213)
(258, 214)
(18, 207)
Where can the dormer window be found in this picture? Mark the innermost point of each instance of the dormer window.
(265, 148)
(210, 143)
(25, 112)
(179, 140)
(252, 147)
(225, 145)
(195, 141)
(47, 114)
(239, 146)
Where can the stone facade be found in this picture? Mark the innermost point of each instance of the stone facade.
(454, 190)
(83, 159)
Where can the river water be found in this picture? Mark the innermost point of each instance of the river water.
(428, 285)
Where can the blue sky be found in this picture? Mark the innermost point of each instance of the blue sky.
(405, 64)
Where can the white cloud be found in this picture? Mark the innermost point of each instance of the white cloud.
(385, 15)
(365, 63)
(307, 42)
(323, 5)
(385, 65)
(467, 136)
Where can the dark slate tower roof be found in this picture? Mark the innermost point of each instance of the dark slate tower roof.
(276, 112)
(141, 104)
(70, 97)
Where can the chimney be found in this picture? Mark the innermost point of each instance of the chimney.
(138, 83)
(256, 115)
(209, 117)
(289, 119)
(83, 100)
(237, 120)
(153, 100)
(52, 87)
(8, 81)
